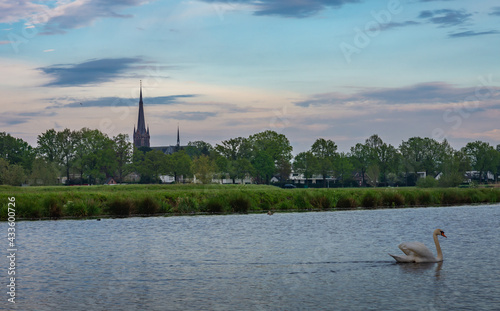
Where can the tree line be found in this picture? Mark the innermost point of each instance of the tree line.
(91, 157)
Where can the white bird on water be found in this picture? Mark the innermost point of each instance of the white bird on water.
(418, 252)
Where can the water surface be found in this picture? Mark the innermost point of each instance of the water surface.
(295, 261)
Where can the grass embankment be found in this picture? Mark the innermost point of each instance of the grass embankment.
(126, 200)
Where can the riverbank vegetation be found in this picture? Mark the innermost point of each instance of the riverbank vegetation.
(140, 200)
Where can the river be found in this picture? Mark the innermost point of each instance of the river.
(287, 261)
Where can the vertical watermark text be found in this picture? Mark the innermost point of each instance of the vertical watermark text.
(11, 249)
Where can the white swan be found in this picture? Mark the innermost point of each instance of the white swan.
(418, 252)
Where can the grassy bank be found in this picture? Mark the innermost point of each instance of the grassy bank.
(126, 200)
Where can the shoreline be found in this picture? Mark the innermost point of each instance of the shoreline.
(92, 202)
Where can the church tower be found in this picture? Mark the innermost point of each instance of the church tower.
(141, 135)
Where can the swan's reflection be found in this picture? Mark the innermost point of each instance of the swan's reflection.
(418, 268)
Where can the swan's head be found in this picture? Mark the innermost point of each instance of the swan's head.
(439, 232)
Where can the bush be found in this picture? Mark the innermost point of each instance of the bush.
(370, 199)
(120, 207)
(53, 207)
(93, 207)
(147, 206)
(185, 205)
(76, 209)
(239, 204)
(214, 205)
(427, 182)
(301, 201)
(347, 202)
(424, 198)
(392, 199)
(321, 202)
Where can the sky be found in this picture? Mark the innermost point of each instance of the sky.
(218, 69)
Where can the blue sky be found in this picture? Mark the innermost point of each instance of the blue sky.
(337, 69)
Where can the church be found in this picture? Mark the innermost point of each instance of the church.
(141, 134)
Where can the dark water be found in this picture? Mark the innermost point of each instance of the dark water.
(297, 261)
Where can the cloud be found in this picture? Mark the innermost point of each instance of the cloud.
(446, 17)
(121, 102)
(287, 8)
(423, 93)
(192, 116)
(49, 50)
(13, 11)
(495, 11)
(471, 33)
(89, 72)
(4, 42)
(394, 25)
(64, 15)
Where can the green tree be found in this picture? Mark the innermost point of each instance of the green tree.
(123, 152)
(269, 143)
(325, 152)
(482, 157)
(43, 173)
(361, 157)
(65, 145)
(95, 154)
(343, 168)
(236, 153)
(305, 163)
(11, 174)
(453, 169)
(47, 146)
(16, 151)
(264, 167)
(197, 148)
(178, 164)
(204, 168)
(422, 155)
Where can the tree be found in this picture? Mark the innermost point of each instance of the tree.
(264, 167)
(234, 148)
(123, 152)
(305, 163)
(11, 174)
(283, 170)
(16, 151)
(94, 155)
(277, 146)
(482, 157)
(236, 153)
(178, 164)
(43, 173)
(325, 152)
(269, 143)
(361, 156)
(453, 169)
(203, 169)
(343, 168)
(150, 165)
(65, 146)
(197, 148)
(47, 146)
(422, 154)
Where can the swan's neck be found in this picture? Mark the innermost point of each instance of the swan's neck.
(438, 249)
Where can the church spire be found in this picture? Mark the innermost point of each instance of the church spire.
(178, 137)
(141, 135)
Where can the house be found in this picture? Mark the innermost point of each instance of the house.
(110, 181)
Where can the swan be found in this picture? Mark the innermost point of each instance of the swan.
(418, 252)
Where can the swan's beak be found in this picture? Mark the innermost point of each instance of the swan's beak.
(442, 233)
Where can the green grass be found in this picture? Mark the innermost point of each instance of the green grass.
(126, 200)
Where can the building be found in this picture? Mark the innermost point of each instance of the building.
(141, 135)
(170, 149)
